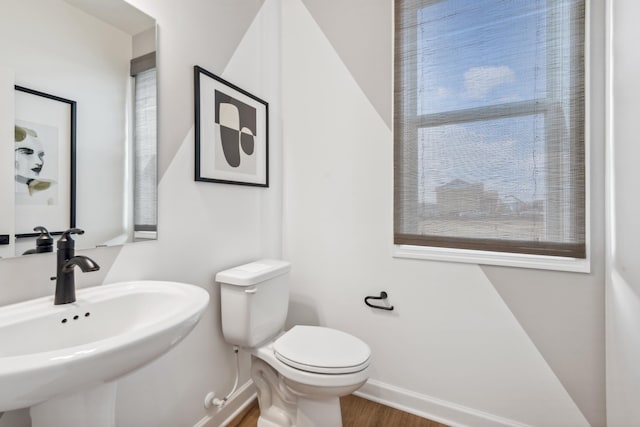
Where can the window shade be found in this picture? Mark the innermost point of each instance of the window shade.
(489, 125)
(145, 175)
(143, 63)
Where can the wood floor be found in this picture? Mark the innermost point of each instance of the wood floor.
(356, 412)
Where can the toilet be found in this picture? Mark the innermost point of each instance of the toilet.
(301, 373)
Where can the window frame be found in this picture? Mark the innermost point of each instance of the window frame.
(439, 249)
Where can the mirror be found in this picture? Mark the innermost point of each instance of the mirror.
(88, 67)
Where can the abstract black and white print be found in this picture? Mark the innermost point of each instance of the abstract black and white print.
(236, 125)
(231, 133)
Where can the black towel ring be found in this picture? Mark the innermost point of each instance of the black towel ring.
(383, 295)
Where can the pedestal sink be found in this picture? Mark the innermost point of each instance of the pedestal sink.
(63, 361)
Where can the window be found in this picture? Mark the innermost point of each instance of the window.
(489, 126)
(143, 71)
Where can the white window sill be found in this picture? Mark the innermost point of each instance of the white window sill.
(540, 262)
(145, 235)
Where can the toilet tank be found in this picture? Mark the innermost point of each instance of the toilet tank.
(254, 299)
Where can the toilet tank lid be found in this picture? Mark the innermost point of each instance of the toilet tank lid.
(254, 272)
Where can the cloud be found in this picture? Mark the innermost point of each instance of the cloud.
(442, 92)
(479, 81)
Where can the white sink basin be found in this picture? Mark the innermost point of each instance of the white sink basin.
(47, 351)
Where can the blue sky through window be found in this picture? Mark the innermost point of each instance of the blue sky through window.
(505, 155)
(473, 53)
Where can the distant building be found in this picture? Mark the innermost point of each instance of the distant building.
(511, 204)
(461, 198)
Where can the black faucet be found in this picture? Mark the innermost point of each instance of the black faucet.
(65, 280)
(44, 242)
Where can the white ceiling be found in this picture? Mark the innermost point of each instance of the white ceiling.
(117, 13)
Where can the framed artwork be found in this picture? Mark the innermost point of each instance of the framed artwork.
(231, 133)
(45, 162)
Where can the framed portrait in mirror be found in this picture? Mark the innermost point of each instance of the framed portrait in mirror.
(45, 163)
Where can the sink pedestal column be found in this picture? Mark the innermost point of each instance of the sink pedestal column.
(93, 407)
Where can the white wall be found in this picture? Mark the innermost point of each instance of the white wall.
(7, 183)
(55, 48)
(466, 344)
(623, 278)
(203, 227)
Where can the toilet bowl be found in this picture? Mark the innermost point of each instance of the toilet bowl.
(307, 369)
(301, 373)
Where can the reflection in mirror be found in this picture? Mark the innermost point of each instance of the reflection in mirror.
(100, 55)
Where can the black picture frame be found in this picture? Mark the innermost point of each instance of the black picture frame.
(231, 133)
(34, 106)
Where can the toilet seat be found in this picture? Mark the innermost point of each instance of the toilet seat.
(322, 350)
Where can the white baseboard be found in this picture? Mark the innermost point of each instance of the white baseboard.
(223, 416)
(430, 407)
(418, 404)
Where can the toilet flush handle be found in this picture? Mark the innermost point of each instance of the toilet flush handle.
(251, 291)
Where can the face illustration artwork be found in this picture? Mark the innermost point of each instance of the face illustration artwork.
(29, 155)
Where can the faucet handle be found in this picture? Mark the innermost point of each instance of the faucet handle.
(65, 241)
(66, 234)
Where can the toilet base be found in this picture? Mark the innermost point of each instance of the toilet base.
(319, 413)
(282, 406)
(310, 413)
